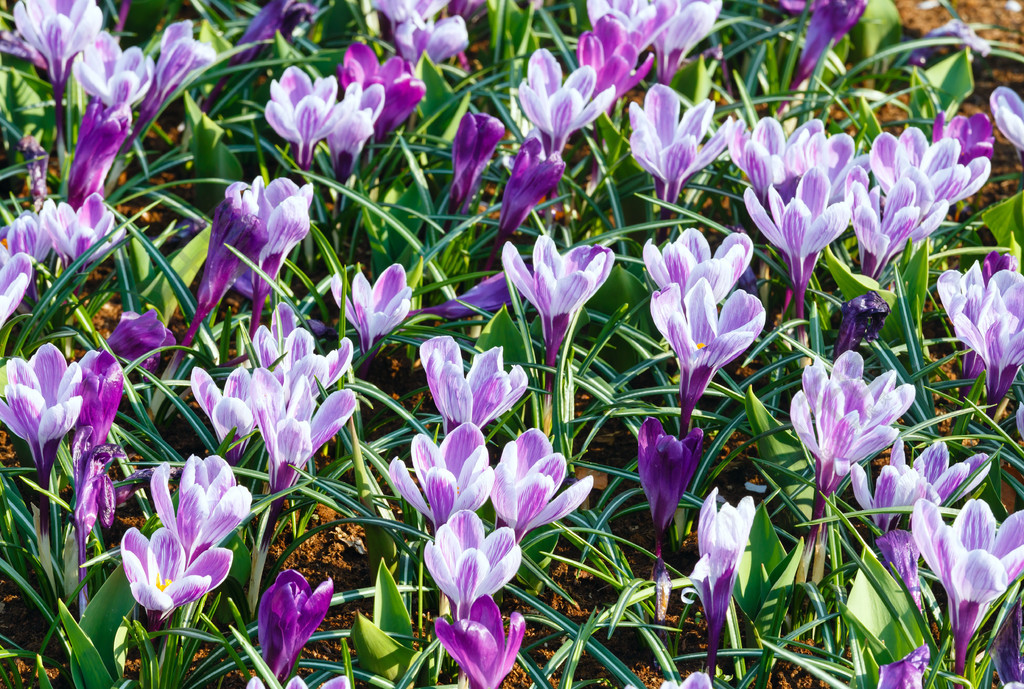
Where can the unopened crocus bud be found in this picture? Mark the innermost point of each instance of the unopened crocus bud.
(906, 673)
(478, 644)
(136, 336)
(477, 137)
(290, 611)
(37, 160)
(974, 134)
(1005, 649)
(490, 294)
(863, 318)
(101, 136)
(666, 466)
(533, 178)
(995, 262)
(830, 21)
(102, 387)
(402, 90)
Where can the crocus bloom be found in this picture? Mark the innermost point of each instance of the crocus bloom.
(906, 673)
(526, 479)
(483, 395)
(688, 259)
(954, 28)
(298, 683)
(290, 611)
(695, 680)
(136, 336)
(15, 277)
(102, 387)
(455, 476)
(440, 40)
(892, 159)
(477, 643)
(964, 293)
(25, 235)
(974, 134)
(899, 551)
(558, 110)
(402, 90)
(180, 57)
(1005, 649)
(687, 23)
(863, 318)
(490, 294)
(722, 537)
(974, 561)
(801, 228)
(558, 286)
(114, 76)
(230, 411)
(75, 232)
(477, 137)
(467, 566)
(666, 466)
(13, 44)
(642, 18)
(210, 504)
(159, 577)
(994, 262)
(534, 176)
(357, 113)
(610, 52)
(940, 481)
(375, 311)
(277, 15)
(94, 498)
(830, 21)
(103, 132)
(667, 147)
(291, 351)
(1008, 112)
(303, 112)
(703, 339)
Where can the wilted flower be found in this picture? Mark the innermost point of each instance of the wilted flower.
(402, 90)
(666, 466)
(974, 134)
(229, 411)
(974, 561)
(1008, 112)
(290, 611)
(830, 21)
(477, 643)
(455, 476)
(94, 498)
(686, 23)
(954, 28)
(75, 232)
(1005, 649)
(136, 336)
(609, 50)
(722, 538)
(907, 673)
(303, 112)
(15, 277)
(558, 110)
(477, 137)
(534, 176)
(114, 76)
(102, 388)
(688, 259)
(466, 565)
(357, 113)
(37, 162)
(100, 137)
(490, 294)
(375, 312)
(180, 56)
(892, 159)
(863, 318)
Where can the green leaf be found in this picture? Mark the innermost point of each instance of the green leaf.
(104, 615)
(442, 110)
(44, 681)
(211, 156)
(502, 331)
(763, 554)
(143, 15)
(915, 279)
(1006, 220)
(869, 127)
(693, 81)
(952, 79)
(23, 100)
(87, 666)
(853, 285)
(883, 611)
(186, 263)
(783, 450)
(378, 652)
(776, 603)
(241, 559)
(389, 611)
(879, 27)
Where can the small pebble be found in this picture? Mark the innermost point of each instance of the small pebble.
(928, 5)
(755, 488)
(1012, 6)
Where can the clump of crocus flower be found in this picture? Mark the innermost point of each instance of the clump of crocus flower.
(974, 134)
(290, 611)
(181, 58)
(609, 50)
(94, 500)
(402, 90)
(73, 232)
(374, 311)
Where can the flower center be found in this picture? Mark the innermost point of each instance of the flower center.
(162, 584)
(701, 345)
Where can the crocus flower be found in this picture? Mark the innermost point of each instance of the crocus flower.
(357, 113)
(667, 147)
(1008, 112)
(277, 15)
(455, 476)
(830, 21)
(466, 565)
(402, 90)
(303, 112)
(974, 134)
(114, 76)
(94, 498)
(75, 232)
(534, 176)
(1005, 649)
(666, 466)
(298, 683)
(722, 537)
(483, 395)
(159, 577)
(906, 673)
(863, 318)
(558, 286)
(642, 18)
(490, 294)
(703, 339)
(477, 643)
(210, 504)
(136, 336)
(800, 229)
(526, 479)
(291, 351)
(440, 39)
(994, 262)
(688, 259)
(900, 552)
(940, 481)
(230, 411)
(181, 56)
(15, 277)
(37, 162)
(102, 387)
(964, 293)
(954, 28)
(25, 235)
(558, 110)
(608, 49)
(477, 137)
(687, 23)
(290, 611)
(695, 680)
(892, 159)
(375, 311)
(974, 561)
(13, 44)
(103, 132)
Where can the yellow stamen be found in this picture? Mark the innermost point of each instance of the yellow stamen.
(162, 584)
(701, 345)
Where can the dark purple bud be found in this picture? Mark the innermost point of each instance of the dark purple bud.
(136, 336)
(37, 161)
(863, 318)
(533, 178)
(995, 261)
(321, 330)
(466, 9)
(1005, 650)
(289, 613)
(103, 132)
(102, 387)
(279, 15)
(490, 294)
(402, 90)
(748, 282)
(12, 44)
(907, 673)
(974, 134)
(900, 553)
(666, 466)
(475, 141)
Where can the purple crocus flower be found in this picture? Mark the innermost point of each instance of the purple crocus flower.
(455, 476)
(906, 673)
(374, 311)
(402, 90)
(608, 49)
(558, 110)
(1005, 649)
(475, 141)
(688, 259)
(277, 15)
(291, 351)
(558, 286)
(290, 611)
(114, 76)
(666, 466)
(800, 229)
(477, 643)
(101, 136)
(357, 113)
(440, 40)
(1008, 113)
(703, 339)
(210, 504)
(136, 336)
(963, 294)
(298, 683)
(181, 56)
(994, 262)
(643, 19)
(490, 294)
(159, 577)
(526, 479)
(722, 538)
(230, 411)
(102, 388)
(667, 147)
(974, 134)
(954, 28)
(830, 21)
(892, 159)
(303, 112)
(534, 176)
(94, 498)
(974, 560)
(13, 44)
(480, 396)
(863, 318)
(75, 232)
(686, 23)
(25, 235)
(15, 277)
(466, 565)
(940, 481)
(899, 551)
